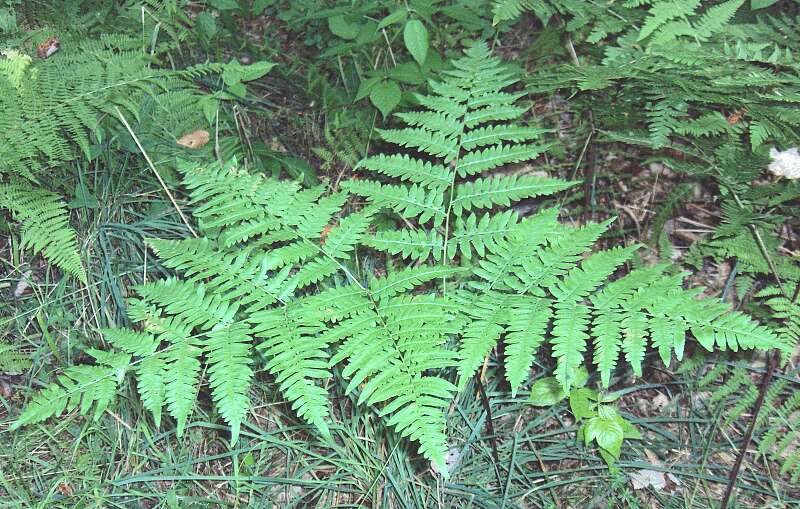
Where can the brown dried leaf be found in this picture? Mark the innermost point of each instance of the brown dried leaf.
(5, 389)
(48, 47)
(194, 139)
(65, 489)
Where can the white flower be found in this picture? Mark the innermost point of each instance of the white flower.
(785, 163)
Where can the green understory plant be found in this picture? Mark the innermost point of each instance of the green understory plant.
(275, 282)
(709, 89)
(379, 50)
(70, 106)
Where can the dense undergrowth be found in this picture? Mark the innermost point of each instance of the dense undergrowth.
(348, 254)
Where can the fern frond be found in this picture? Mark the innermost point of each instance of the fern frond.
(435, 144)
(408, 278)
(540, 270)
(525, 333)
(471, 234)
(488, 313)
(295, 351)
(408, 202)
(414, 244)
(496, 134)
(80, 387)
(662, 12)
(13, 359)
(506, 10)
(403, 167)
(492, 157)
(45, 226)
(389, 349)
(716, 18)
(463, 128)
(569, 340)
(227, 351)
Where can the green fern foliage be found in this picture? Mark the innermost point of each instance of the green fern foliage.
(777, 432)
(465, 130)
(65, 94)
(51, 114)
(13, 359)
(274, 282)
(44, 225)
(82, 387)
(785, 310)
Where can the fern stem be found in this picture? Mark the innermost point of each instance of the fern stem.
(451, 194)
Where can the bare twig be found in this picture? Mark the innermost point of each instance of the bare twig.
(490, 430)
(152, 167)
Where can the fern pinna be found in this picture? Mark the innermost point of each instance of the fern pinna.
(273, 283)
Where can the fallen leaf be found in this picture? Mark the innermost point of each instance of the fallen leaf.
(5, 389)
(662, 481)
(737, 116)
(65, 489)
(451, 460)
(23, 284)
(194, 139)
(660, 401)
(324, 235)
(48, 47)
(645, 478)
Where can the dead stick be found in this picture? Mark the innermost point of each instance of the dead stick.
(490, 429)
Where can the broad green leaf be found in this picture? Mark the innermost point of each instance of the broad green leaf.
(386, 96)
(256, 70)
(209, 105)
(366, 86)
(237, 90)
(546, 392)
(83, 198)
(581, 402)
(581, 377)
(297, 168)
(761, 4)
(367, 33)
(407, 72)
(630, 432)
(235, 73)
(340, 27)
(608, 434)
(206, 26)
(397, 16)
(415, 36)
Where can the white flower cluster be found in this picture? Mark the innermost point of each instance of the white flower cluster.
(785, 163)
